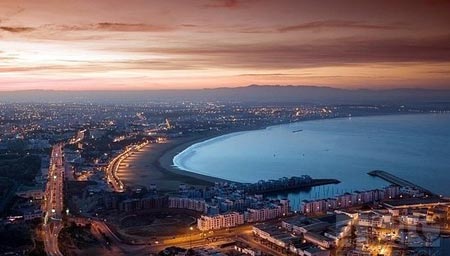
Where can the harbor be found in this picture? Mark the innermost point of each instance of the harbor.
(286, 184)
(399, 181)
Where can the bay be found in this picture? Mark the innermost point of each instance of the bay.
(415, 147)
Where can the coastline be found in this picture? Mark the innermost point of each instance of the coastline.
(166, 159)
(167, 177)
(155, 163)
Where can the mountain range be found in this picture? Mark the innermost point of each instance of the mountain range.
(247, 94)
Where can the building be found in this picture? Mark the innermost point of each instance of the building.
(318, 239)
(263, 214)
(35, 193)
(228, 220)
(349, 200)
(370, 219)
(273, 234)
(246, 249)
(198, 205)
(150, 202)
(284, 239)
(325, 232)
(32, 214)
(315, 251)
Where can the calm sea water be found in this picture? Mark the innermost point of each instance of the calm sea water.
(413, 147)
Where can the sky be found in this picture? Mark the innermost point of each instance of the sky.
(191, 44)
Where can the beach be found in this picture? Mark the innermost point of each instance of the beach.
(153, 164)
(350, 147)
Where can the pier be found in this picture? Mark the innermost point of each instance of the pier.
(398, 181)
(287, 184)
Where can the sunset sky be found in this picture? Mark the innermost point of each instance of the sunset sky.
(143, 44)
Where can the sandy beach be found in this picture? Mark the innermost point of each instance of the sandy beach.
(154, 165)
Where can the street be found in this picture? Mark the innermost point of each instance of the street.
(54, 201)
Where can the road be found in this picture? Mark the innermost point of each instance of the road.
(54, 201)
(107, 239)
(193, 239)
(196, 238)
(113, 166)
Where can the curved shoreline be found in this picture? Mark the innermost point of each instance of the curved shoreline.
(169, 164)
(165, 160)
(162, 161)
(154, 164)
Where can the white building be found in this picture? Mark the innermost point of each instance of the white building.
(370, 219)
(267, 213)
(228, 220)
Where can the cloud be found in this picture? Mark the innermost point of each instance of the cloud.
(87, 31)
(113, 26)
(29, 69)
(223, 4)
(12, 14)
(339, 51)
(268, 74)
(86, 66)
(124, 27)
(17, 29)
(264, 59)
(188, 25)
(333, 24)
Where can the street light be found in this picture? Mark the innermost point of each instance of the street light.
(190, 236)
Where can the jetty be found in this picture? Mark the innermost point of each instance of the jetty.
(286, 184)
(398, 181)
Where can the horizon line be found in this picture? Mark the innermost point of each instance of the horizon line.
(226, 87)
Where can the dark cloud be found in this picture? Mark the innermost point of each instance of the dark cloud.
(439, 72)
(189, 25)
(269, 74)
(17, 29)
(315, 25)
(112, 26)
(124, 27)
(341, 51)
(223, 4)
(333, 24)
(437, 2)
(101, 26)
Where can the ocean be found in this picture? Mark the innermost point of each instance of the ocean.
(415, 147)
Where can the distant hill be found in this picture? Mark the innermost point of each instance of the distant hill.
(250, 94)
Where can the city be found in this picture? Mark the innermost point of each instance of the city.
(78, 193)
(224, 128)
